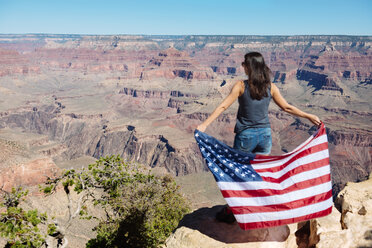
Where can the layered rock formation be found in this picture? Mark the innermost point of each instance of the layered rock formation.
(142, 96)
(85, 136)
(172, 63)
(201, 229)
(12, 62)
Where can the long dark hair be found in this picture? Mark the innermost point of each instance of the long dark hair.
(258, 75)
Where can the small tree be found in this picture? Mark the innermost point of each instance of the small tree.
(21, 227)
(141, 209)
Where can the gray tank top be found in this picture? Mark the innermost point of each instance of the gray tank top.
(251, 112)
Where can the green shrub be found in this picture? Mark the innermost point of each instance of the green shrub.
(20, 227)
(141, 209)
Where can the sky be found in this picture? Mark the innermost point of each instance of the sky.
(187, 17)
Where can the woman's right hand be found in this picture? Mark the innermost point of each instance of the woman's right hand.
(314, 119)
(202, 127)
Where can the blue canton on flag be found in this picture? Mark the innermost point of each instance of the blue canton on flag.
(226, 164)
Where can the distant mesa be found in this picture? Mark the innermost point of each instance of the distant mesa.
(12, 62)
(324, 70)
(172, 63)
(228, 63)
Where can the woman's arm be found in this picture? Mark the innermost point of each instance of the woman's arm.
(282, 103)
(226, 103)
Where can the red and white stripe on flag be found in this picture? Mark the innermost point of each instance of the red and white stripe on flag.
(296, 187)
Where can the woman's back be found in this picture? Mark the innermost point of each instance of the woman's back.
(254, 96)
(252, 112)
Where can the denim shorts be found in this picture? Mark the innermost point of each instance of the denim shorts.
(254, 140)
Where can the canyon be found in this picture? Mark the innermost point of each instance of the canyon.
(83, 97)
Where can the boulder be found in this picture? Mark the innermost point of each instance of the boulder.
(355, 203)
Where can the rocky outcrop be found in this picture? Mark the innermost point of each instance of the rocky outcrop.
(227, 62)
(12, 62)
(360, 138)
(177, 104)
(155, 93)
(87, 137)
(349, 228)
(201, 229)
(324, 70)
(31, 173)
(172, 63)
(279, 77)
(318, 80)
(86, 60)
(154, 151)
(145, 93)
(176, 99)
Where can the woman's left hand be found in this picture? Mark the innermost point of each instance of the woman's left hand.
(314, 119)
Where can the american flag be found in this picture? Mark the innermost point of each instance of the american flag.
(266, 191)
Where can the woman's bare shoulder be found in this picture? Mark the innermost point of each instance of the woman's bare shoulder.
(240, 84)
(273, 89)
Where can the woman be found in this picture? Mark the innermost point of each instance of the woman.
(253, 132)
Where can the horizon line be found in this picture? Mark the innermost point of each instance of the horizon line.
(119, 34)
